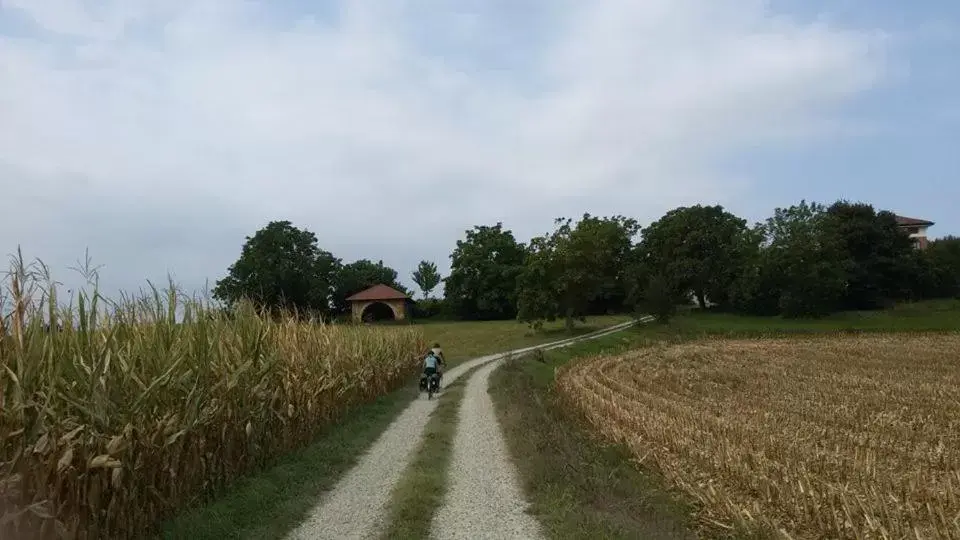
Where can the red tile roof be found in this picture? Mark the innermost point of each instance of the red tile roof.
(378, 292)
(912, 222)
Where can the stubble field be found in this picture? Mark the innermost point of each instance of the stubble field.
(836, 437)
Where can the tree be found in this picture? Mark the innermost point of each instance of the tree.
(611, 241)
(637, 276)
(426, 277)
(942, 257)
(660, 298)
(280, 268)
(537, 299)
(805, 261)
(702, 248)
(882, 263)
(359, 275)
(757, 289)
(574, 268)
(483, 274)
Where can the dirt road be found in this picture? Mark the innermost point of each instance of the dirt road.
(357, 506)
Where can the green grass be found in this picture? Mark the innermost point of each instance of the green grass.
(580, 487)
(420, 491)
(272, 503)
(465, 340)
(931, 316)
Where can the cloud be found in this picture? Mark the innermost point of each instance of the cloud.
(158, 134)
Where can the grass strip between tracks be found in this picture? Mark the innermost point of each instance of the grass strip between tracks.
(421, 489)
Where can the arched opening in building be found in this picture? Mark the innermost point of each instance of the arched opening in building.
(378, 311)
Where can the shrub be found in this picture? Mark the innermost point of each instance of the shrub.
(431, 308)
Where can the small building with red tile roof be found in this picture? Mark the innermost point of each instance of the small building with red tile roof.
(378, 303)
(916, 228)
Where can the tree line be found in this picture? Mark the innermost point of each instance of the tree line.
(808, 260)
(282, 268)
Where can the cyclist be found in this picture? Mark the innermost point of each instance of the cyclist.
(431, 365)
(438, 352)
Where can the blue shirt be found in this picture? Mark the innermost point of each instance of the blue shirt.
(430, 361)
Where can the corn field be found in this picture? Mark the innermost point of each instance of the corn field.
(836, 437)
(119, 414)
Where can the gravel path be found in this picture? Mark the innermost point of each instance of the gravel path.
(485, 499)
(356, 507)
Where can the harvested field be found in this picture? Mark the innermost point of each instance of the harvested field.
(835, 437)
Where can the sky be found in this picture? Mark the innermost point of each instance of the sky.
(158, 134)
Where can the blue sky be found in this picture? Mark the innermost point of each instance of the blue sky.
(159, 134)
(904, 161)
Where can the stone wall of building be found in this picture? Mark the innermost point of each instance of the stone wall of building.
(399, 308)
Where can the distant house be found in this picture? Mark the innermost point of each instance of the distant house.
(379, 303)
(916, 228)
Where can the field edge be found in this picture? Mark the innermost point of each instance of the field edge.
(528, 388)
(274, 501)
(578, 486)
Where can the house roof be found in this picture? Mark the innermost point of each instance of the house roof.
(378, 292)
(912, 222)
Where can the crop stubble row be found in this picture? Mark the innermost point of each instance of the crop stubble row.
(849, 437)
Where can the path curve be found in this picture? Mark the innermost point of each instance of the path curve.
(356, 506)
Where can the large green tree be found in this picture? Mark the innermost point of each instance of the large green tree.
(427, 277)
(942, 257)
(281, 267)
(536, 300)
(756, 290)
(575, 268)
(805, 261)
(611, 240)
(483, 274)
(359, 275)
(881, 261)
(701, 248)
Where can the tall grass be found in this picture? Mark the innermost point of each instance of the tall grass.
(113, 415)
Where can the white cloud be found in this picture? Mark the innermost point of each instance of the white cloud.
(160, 133)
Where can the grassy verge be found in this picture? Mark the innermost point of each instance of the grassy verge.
(272, 503)
(580, 487)
(465, 340)
(420, 491)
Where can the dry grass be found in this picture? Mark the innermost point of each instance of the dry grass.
(839, 437)
(134, 410)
